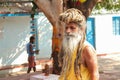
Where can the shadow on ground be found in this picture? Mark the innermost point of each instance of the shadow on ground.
(109, 68)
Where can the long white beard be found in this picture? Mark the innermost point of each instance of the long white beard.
(70, 42)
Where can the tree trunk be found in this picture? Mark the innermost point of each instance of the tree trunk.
(52, 9)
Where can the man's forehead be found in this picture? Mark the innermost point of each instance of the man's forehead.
(71, 24)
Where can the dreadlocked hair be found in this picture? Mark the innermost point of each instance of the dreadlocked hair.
(64, 62)
(78, 58)
(71, 15)
(75, 16)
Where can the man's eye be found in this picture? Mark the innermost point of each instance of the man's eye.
(66, 28)
(72, 28)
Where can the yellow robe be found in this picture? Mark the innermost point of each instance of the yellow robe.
(70, 75)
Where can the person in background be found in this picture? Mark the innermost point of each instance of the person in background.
(31, 55)
(77, 57)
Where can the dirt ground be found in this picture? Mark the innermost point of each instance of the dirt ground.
(109, 68)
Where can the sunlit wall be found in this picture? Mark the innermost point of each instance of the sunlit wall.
(14, 35)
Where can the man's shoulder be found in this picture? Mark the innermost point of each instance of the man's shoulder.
(87, 44)
(88, 48)
(29, 43)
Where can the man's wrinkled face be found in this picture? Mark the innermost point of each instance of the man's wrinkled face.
(71, 28)
(72, 37)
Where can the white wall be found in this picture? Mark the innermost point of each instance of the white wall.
(106, 42)
(14, 35)
(45, 37)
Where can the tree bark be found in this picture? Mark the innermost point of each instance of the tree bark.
(52, 9)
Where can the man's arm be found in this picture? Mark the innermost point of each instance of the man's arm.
(31, 49)
(91, 62)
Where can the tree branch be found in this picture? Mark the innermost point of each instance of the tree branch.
(51, 9)
(89, 5)
(23, 7)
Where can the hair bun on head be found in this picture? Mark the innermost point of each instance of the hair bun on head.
(72, 15)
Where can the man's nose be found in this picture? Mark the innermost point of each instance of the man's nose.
(68, 30)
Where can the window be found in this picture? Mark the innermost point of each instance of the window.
(116, 25)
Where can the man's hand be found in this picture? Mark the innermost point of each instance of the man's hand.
(37, 52)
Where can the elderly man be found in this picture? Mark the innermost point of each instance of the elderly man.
(77, 57)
